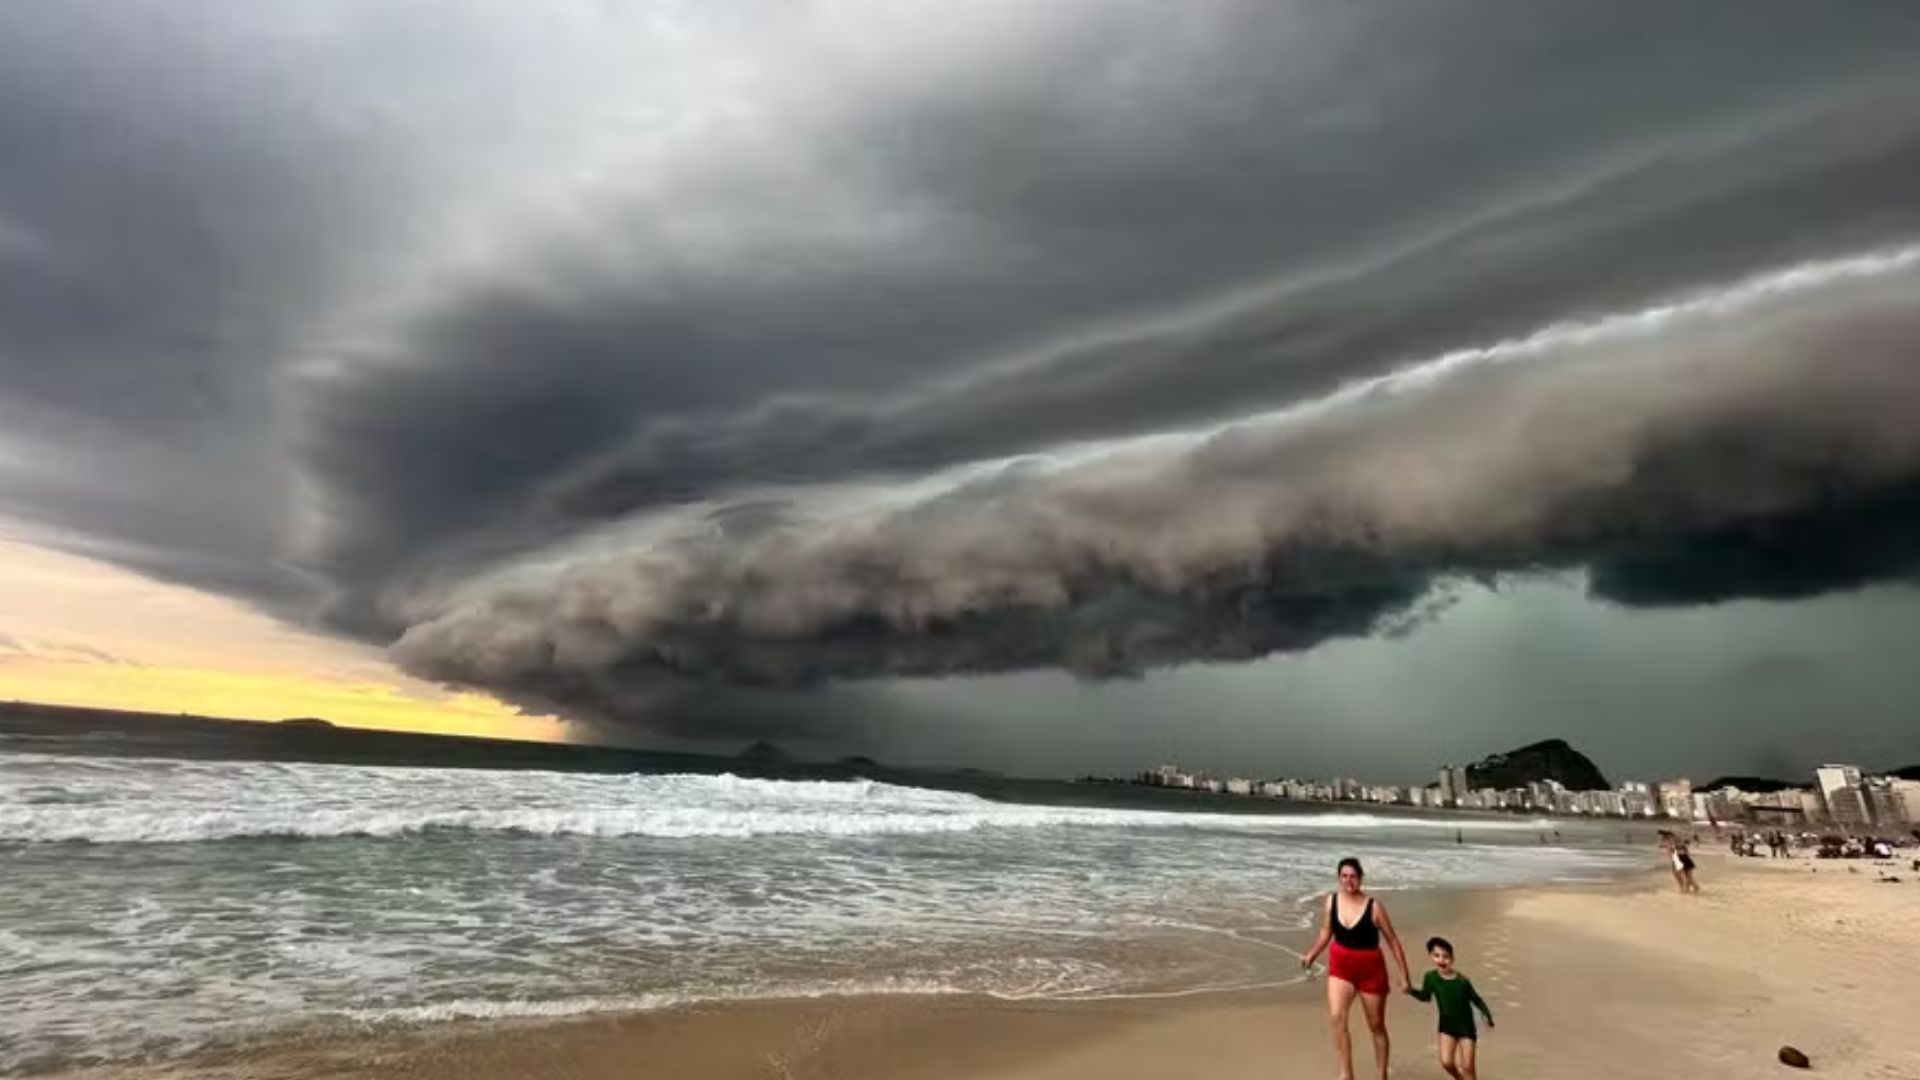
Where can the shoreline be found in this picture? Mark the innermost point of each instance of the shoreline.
(1584, 979)
(767, 1037)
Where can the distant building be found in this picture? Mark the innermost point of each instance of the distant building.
(1908, 792)
(1841, 788)
(1636, 799)
(1676, 799)
(1885, 806)
(1831, 778)
(1611, 803)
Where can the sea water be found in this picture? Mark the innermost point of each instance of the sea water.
(151, 907)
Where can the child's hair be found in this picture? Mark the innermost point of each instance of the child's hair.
(1353, 862)
(1440, 943)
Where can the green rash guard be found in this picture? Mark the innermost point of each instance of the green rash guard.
(1457, 999)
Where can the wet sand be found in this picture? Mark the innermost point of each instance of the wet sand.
(1585, 982)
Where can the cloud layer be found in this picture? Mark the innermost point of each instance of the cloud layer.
(1756, 441)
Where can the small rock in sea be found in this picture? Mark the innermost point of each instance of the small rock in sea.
(1793, 1057)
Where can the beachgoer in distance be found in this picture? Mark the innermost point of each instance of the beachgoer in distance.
(1458, 1043)
(1670, 847)
(1355, 924)
(1682, 862)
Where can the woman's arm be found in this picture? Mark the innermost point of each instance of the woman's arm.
(1325, 935)
(1393, 941)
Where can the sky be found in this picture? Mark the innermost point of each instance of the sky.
(1277, 386)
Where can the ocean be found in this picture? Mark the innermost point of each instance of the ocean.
(152, 907)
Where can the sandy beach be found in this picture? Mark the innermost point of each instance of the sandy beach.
(1624, 979)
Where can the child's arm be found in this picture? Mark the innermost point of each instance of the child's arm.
(1425, 990)
(1478, 1002)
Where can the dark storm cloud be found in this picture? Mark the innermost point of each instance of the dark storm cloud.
(165, 227)
(1158, 226)
(621, 357)
(1754, 442)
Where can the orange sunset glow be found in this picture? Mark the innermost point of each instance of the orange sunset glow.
(78, 632)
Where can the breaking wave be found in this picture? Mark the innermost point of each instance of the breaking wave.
(78, 800)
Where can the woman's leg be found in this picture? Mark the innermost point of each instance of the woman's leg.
(1339, 1003)
(1466, 1056)
(1446, 1050)
(1376, 1008)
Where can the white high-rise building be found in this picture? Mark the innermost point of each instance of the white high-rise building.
(1636, 799)
(1841, 790)
(1885, 806)
(1676, 799)
(1832, 778)
(1908, 792)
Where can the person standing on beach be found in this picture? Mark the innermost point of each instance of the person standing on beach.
(1458, 1044)
(1681, 861)
(1670, 847)
(1683, 865)
(1354, 924)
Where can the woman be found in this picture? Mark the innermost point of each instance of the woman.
(1355, 924)
(1683, 865)
(1680, 861)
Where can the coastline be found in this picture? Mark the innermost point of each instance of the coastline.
(1584, 980)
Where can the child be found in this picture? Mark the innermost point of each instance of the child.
(1458, 999)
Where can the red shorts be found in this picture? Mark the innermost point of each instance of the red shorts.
(1366, 969)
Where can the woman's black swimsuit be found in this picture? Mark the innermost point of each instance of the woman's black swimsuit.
(1363, 934)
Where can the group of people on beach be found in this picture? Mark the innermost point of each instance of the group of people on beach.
(1780, 845)
(1353, 927)
(1748, 844)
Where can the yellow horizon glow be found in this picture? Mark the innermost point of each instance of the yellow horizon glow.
(75, 631)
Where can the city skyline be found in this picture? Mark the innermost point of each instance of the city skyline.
(1838, 796)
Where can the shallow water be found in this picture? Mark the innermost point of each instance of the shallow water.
(151, 907)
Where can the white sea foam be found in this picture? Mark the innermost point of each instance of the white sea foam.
(560, 1008)
(124, 802)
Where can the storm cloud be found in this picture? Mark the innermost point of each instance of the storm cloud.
(1753, 442)
(667, 363)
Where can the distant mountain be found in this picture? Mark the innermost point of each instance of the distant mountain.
(1911, 772)
(764, 753)
(307, 722)
(1747, 783)
(1549, 760)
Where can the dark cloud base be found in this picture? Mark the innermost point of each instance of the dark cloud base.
(1752, 449)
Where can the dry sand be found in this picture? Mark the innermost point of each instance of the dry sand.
(1593, 982)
